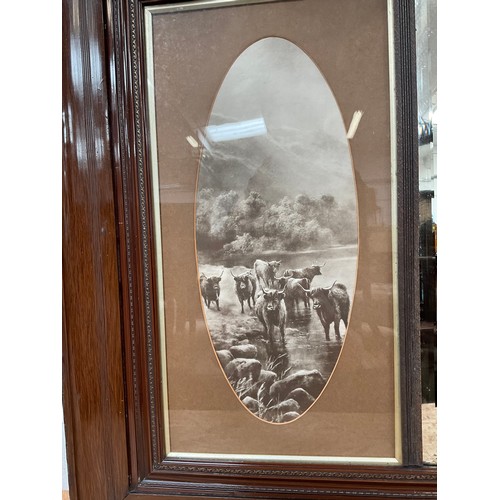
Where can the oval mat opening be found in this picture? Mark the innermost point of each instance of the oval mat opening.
(276, 230)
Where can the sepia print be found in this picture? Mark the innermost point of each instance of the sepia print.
(276, 230)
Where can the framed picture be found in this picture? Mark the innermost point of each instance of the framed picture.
(260, 300)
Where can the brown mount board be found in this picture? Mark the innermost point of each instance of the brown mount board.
(344, 421)
(111, 364)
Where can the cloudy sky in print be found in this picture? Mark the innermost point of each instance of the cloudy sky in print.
(301, 147)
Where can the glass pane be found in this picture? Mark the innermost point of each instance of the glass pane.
(427, 109)
(247, 138)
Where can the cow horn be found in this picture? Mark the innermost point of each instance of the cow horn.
(231, 273)
(322, 265)
(266, 290)
(302, 288)
(220, 275)
(203, 274)
(329, 288)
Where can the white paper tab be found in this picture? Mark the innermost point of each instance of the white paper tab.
(356, 118)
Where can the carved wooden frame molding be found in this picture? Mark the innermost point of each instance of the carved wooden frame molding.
(111, 370)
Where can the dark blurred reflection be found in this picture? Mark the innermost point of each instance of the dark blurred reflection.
(426, 11)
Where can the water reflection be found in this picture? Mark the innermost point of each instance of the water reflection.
(306, 360)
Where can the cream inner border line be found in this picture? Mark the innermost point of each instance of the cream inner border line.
(286, 458)
(148, 18)
(148, 14)
(398, 441)
(206, 4)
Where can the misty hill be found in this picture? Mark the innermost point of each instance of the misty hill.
(285, 161)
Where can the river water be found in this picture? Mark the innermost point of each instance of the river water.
(306, 347)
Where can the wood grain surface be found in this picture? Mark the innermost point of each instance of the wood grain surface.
(92, 353)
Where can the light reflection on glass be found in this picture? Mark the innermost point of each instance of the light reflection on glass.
(237, 130)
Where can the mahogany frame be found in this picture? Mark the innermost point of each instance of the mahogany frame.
(111, 395)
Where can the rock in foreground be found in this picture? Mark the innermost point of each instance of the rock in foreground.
(310, 380)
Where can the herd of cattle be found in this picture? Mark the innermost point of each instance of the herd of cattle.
(273, 297)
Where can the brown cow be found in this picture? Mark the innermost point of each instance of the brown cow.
(331, 305)
(271, 312)
(265, 272)
(304, 272)
(210, 289)
(245, 286)
(295, 291)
